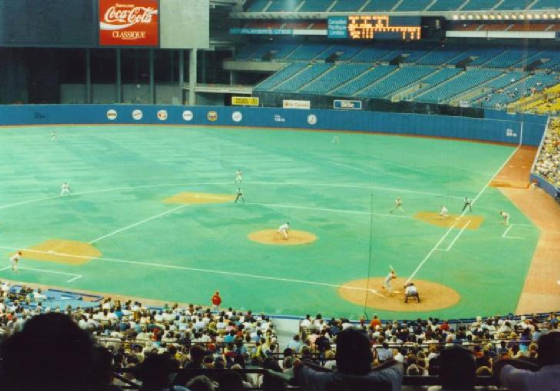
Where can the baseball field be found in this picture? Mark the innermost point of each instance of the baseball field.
(151, 214)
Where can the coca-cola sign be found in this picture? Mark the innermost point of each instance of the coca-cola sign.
(128, 23)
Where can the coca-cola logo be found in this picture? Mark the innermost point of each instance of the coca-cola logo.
(121, 16)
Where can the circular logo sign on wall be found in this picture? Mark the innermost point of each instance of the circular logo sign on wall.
(162, 115)
(311, 119)
(188, 115)
(236, 116)
(137, 114)
(111, 114)
(212, 116)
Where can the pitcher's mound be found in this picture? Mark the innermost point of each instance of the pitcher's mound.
(199, 198)
(70, 252)
(433, 296)
(272, 236)
(470, 221)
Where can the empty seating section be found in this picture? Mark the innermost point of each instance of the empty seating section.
(413, 55)
(446, 5)
(257, 5)
(380, 5)
(296, 82)
(546, 4)
(413, 5)
(464, 82)
(439, 56)
(315, 5)
(347, 5)
(403, 77)
(307, 51)
(372, 54)
(514, 5)
(509, 58)
(475, 5)
(364, 80)
(436, 78)
(332, 79)
(484, 55)
(283, 5)
(276, 51)
(280, 76)
(552, 58)
(344, 52)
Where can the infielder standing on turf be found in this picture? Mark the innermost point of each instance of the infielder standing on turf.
(467, 204)
(398, 205)
(283, 229)
(64, 189)
(443, 212)
(239, 195)
(14, 259)
(238, 177)
(387, 282)
(505, 216)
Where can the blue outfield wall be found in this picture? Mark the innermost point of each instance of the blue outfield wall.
(496, 127)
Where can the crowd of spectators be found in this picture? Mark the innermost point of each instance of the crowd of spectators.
(548, 161)
(175, 348)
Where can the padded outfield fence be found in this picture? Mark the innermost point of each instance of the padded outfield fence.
(493, 127)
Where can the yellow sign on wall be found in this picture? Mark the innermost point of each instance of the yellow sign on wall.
(244, 101)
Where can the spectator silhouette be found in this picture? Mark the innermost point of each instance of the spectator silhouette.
(50, 353)
(353, 368)
(457, 368)
(156, 373)
(520, 375)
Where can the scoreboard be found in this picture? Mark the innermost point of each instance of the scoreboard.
(368, 27)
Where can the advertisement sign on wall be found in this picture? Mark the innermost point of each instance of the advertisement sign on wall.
(128, 23)
(296, 104)
(245, 100)
(342, 104)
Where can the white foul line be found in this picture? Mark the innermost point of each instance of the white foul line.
(350, 211)
(462, 214)
(504, 235)
(456, 237)
(137, 224)
(186, 268)
(74, 275)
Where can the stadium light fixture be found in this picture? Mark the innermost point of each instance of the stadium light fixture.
(484, 17)
(455, 17)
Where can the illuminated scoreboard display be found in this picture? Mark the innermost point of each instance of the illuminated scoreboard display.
(370, 27)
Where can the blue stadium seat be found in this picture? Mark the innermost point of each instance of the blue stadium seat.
(380, 5)
(348, 5)
(307, 51)
(514, 5)
(413, 5)
(364, 80)
(280, 76)
(373, 54)
(284, 5)
(315, 5)
(345, 52)
(257, 6)
(440, 56)
(464, 82)
(302, 78)
(403, 77)
(446, 5)
(339, 75)
(435, 79)
(476, 5)
(509, 58)
(546, 4)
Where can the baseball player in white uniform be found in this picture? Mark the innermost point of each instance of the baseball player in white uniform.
(283, 229)
(64, 189)
(387, 282)
(14, 259)
(505, 216)
(238, 176)
(398, 205)
(443, 212)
